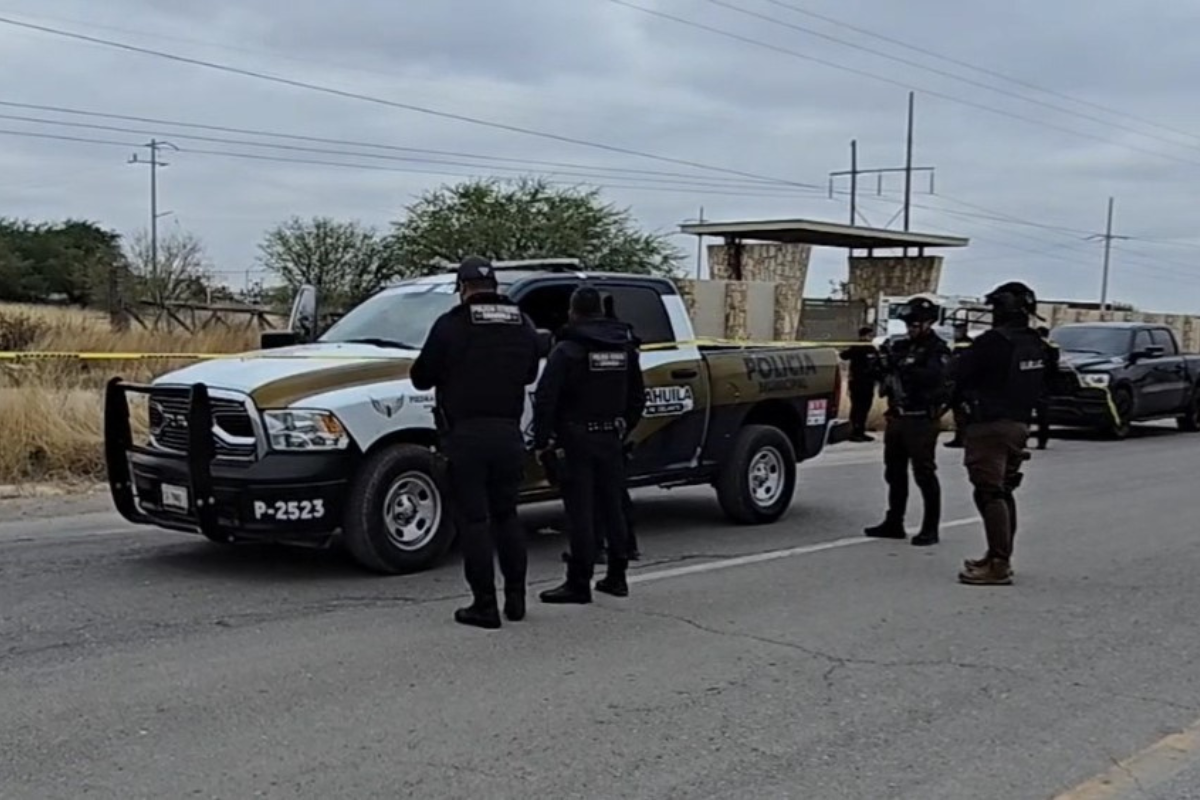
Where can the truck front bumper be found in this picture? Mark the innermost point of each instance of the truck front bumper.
(280, 497)
(1086, 408)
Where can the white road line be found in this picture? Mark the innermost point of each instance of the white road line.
(771, 555)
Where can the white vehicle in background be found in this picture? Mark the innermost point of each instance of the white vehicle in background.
(952, 309)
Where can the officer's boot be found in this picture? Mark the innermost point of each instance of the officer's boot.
(514, 604)
(614, 582)
(891, 528)
(483, 613)
(575, 590)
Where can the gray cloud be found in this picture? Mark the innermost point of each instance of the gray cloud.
(593, 70)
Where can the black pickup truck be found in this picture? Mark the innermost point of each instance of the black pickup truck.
(1116, 373)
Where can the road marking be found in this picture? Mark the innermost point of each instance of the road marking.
(1152, 767)
(771, 555)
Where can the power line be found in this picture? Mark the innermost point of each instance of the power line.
(941, 72)
(685, 181)
(376, 168)
(352, 143)
(983, 70)
(894, 82)
(262, 76)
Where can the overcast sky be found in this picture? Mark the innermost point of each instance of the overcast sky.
(1122, 119)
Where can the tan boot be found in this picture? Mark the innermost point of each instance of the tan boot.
(993, 573)
(980, 563)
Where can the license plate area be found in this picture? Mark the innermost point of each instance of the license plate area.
(174, 497)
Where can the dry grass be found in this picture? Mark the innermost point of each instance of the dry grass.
(50, 411)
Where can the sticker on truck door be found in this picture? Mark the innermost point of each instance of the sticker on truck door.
(668, 401)
(818, 412)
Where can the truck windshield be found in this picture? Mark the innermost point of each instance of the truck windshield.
(1102, 341)
(399, 317)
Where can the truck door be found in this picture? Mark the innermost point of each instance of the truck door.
(1171, 370)
(672, 430)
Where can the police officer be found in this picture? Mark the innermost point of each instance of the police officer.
(864, 370)
(632, 552)
(479, 357)
(1043, 406)
(1001, 375)
(590, 396)
(914, 384)
(962, 338)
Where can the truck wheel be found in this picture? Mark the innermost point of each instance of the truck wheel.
(397, 519)
(1122, 401)
(1190, 420)
(758, 479)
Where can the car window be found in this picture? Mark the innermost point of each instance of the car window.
(643, 308)
(1141, 340)
(1096, 339)
(1163, 338)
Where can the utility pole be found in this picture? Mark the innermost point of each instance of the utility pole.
(1108, 238)
(153, 146)
(699, 245)
(908, 160)
(853, 180)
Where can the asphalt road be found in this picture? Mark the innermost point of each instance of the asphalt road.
(789, 661)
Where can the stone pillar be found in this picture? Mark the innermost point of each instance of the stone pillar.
(736, 325)
(687, 293)
(788, 304)
(872, 278)
(786, 263)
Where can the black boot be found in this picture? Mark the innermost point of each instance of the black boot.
(483, 613)
(614, 581)
(890, 528)
(514, 604)
(575, 590)
(927, 537)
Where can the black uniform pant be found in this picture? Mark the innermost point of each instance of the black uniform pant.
(627, 511)
(912, 441)
(487, 459)
(862, 397)
(1042, 414)
(593, 485)
(994, 454)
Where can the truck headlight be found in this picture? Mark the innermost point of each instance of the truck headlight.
(300, 429)
(1096, 380)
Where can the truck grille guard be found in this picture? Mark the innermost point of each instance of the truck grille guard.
(118, 445)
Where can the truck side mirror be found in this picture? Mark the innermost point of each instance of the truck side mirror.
(303, 320)
(545, 342)
(273, 339)
(1150, 351)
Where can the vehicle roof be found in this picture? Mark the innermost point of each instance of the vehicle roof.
(1128, 326)
(513, 277)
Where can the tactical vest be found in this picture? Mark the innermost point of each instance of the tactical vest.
(1024, 382)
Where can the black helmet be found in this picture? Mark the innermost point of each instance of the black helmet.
(919, 309)
(1013, 297)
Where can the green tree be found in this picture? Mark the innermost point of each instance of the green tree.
(345, 261)
(71, 261)
(526, 219)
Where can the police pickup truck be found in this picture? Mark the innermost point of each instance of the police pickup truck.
(307, 440)
(1116, 373)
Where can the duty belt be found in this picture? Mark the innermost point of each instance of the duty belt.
(602, 426)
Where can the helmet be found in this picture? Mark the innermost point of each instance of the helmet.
(920, 309)
(1013, 297)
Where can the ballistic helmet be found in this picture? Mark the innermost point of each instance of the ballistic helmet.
(919, 309)
(1012, 298)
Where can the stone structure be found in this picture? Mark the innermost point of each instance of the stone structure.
(786, 263)
(789, 303)
(872, 278)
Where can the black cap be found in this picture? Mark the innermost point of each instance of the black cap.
(476, 269)
(586, 302)
(920, 309)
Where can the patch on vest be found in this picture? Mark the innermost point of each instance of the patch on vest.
(608, 361)
(495, 315)
(1031, 365)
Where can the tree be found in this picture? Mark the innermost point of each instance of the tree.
(345, 261)
(179, 274)
(522, 220)
(69, 261)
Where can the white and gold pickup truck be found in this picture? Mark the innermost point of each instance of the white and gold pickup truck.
(304, 441)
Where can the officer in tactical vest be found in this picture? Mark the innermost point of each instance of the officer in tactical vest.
(914, 384)
(590, 396)
(1001, 375)
(479, 357)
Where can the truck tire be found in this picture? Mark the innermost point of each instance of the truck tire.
(397, 516)
(757, 481)
(1189, 421)
(1122, 400)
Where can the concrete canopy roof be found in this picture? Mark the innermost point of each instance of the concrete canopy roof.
(813, 232)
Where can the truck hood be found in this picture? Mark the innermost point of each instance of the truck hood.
(283, 377)
(1090, 362)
